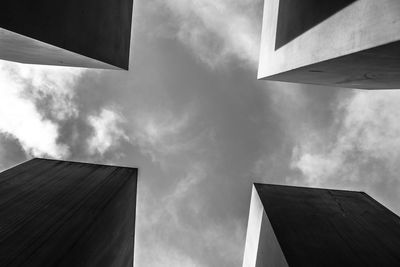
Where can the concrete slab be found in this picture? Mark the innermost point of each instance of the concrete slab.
(319, 227)
(22, 49)
(80, 33)
(61, 213)
(346, 43)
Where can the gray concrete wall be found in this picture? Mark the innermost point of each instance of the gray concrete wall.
(269, 250)
(376, 68)
(59, 213)
(297, 16)
(324, 227)
(262, 248)
(357, 28)
(22, 49)
(97, 29)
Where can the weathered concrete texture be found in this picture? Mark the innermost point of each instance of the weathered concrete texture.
(58, 213)
(323, 227)
(344, 43)
(97, 30)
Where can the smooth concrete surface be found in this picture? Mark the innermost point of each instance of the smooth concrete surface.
(325, 227)
(19, 48)
(269, 250)
(253, 230)
(356, 46)
(262, 248)
(60, 213)
(297, 16)
(375, 68)
(99, 30)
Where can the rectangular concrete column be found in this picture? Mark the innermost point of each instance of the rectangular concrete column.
(299, 226)
(78, 33)
(342, 43)
(60, 213)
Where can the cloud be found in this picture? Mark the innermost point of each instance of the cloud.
(164, 255)
(22, 89)
(193, 177)
(164, 134)
(218, 31)
(157, 132)
(159, 248)
(363, 149)
(177, 226)
(51, 87)
(107, 131)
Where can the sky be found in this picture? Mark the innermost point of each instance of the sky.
(191, 114)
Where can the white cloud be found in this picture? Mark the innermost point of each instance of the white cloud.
(50, 86)
(107, 131)
(366, 145)
(219, 30)
(21, 87)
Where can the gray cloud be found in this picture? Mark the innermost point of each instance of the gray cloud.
(41, 113)
(361, 152)
(218, 31)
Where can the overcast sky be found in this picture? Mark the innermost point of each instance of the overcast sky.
(192, 116)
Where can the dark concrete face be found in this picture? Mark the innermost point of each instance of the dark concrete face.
(99, 29)
(297, 16)
(320, 227)
(56, 213)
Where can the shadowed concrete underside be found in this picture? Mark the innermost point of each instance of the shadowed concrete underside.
(98, 30)
(22, 49)
(375, 68)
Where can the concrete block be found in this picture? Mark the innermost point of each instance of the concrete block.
(79, 33)
(343, 43)
(298, 226)
(60, 213)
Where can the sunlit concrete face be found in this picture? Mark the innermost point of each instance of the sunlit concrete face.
(77, 33)
(344, 43)
(299, 226)
(262, 248)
